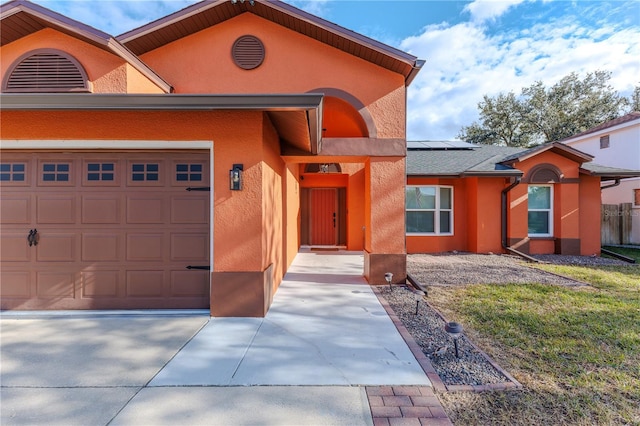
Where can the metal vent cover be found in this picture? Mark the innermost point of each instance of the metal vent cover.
(46, 72)
(248, 52)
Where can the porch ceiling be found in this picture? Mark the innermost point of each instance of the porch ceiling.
(297, 118)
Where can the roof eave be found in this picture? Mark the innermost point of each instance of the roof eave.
(56, 19)
(435, 175)
(310, 102)
(557, 147)
(415, 69)
(500, 173)
(615, 175)
(122, 101)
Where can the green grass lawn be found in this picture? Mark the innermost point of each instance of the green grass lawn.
(575, 350)
(629, 252)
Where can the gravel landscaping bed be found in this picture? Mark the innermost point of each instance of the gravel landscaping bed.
(465, 269)
(427, 329)
(473, 368)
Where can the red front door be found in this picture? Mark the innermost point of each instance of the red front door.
(323, 216)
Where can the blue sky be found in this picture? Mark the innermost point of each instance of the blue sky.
(472, 48)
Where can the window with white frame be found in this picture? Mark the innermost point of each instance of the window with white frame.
(429, 210)
(540, 219)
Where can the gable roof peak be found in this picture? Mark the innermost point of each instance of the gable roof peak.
(40, 17)
(20, 18)
(556, 147)
(208, 13)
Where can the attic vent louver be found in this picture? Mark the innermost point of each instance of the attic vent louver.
(545, 173)
(46, 71)
(248, 52)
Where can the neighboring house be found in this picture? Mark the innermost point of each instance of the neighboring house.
(184, 163)
(616, 143)
(486, 198)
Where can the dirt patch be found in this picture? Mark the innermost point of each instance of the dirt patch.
(467, 269)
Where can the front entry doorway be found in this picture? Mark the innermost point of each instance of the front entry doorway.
(324, 216)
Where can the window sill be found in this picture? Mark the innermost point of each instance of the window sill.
(416, 234)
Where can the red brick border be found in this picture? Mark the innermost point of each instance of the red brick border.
(406, 405)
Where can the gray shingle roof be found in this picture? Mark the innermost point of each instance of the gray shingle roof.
(609, 173)
(480, 160)
(431, 159)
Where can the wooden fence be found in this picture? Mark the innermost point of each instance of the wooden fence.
(616, 224)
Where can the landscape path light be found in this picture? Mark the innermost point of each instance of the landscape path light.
(389, 276)
(419, 295)
(454, 330)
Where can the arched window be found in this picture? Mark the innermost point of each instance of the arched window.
(46, 70)
(540, 198)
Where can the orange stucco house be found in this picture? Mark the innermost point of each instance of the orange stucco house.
(486, 198)
(184, 163)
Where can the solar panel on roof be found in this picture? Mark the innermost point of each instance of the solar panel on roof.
(462, 144)
(457, 145)
(415, 145)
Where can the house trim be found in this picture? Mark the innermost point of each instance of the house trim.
(310, 103)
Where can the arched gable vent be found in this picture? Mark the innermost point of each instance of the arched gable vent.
(46, 71)
(544, 173)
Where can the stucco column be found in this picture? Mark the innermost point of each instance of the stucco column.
(567, 219)
(385, 220)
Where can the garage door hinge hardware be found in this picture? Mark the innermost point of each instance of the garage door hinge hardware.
(204, 268)
(33, 237)
(199, 188)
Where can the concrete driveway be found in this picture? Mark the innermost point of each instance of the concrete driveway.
(325, 338)
(83, 370)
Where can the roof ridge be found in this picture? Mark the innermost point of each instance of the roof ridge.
(632, 116)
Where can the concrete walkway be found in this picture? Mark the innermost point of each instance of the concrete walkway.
(326, 353)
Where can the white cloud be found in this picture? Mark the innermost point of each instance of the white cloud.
(464, 63)
(112, 16)
(485, 10)
(314, 7)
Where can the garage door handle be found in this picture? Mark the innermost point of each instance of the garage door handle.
(33, 238)
(204, 268)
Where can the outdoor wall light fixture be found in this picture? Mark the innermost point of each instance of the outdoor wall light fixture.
(251, 2)
(235, 177)
(454, 330)
(389, 276)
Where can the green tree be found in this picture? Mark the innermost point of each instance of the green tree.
(634, 100)
(502, 122)
(542, 114)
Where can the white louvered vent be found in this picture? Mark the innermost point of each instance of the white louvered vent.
(46, 72)
(248, 52)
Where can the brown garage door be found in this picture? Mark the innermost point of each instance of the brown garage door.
(104, 230)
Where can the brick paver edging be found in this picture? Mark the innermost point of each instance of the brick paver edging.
(425, 363)
(406, 405)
